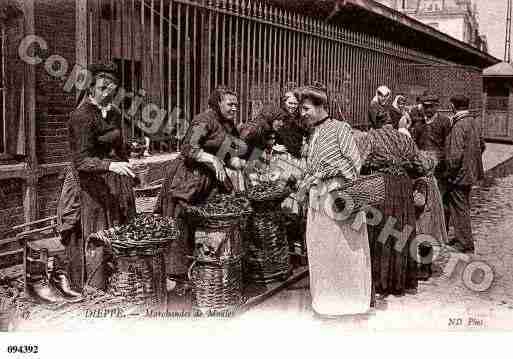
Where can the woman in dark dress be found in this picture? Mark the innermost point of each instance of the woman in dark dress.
(99, 183)
(387, 151)
(211, 143)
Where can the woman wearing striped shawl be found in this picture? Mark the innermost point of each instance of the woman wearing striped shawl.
(338, 253)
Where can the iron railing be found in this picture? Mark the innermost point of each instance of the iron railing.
(178, 51)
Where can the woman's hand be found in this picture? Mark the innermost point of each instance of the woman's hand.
(218, 168)
(279, 148)
(122, 168)
(236, 163)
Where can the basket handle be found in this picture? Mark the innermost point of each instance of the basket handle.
(189, 272)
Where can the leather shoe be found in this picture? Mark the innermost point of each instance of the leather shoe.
(44, 293)
(61, 283)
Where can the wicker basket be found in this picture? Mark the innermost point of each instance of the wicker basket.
(217, 236)
(268, 257)
(365, 191)
(268, 202)
(216, 285)
(140, 277)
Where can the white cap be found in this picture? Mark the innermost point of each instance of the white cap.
(384, 91)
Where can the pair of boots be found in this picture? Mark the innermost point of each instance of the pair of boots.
(41, 287)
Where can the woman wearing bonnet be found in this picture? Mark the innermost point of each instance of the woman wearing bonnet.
(338, 254)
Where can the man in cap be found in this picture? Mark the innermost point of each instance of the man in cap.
(379, 114)
(464, 168)
(431, 131)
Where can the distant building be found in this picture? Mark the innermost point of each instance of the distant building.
(456, 18)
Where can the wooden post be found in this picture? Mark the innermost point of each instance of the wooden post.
(483, 125)
(30, 187)
(81, 32)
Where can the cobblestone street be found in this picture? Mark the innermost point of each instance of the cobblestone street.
(444, 302)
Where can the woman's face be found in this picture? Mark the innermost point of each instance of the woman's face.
(311, 113)
(228, 106)
(104, 90)
(383, 99)
(291, 102)
(401, 104)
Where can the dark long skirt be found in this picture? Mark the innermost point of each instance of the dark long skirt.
(185, 184)
(394, 269)
(104, 204)
(88, 204)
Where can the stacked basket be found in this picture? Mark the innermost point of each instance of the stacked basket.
(138, 252)
(216, 273)
(268, 257)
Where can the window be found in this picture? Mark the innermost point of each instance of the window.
(434, 25)
(433, 5)
(3, 125)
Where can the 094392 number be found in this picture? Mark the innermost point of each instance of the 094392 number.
(22, 349)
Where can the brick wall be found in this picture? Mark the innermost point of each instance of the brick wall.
(54, 22)
(48, 194)
(11, 204)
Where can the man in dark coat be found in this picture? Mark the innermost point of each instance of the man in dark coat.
(464, 168)
(430, 132)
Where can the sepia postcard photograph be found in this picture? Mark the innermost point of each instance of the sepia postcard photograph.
(278, 167)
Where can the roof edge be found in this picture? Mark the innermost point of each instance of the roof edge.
(394, 15)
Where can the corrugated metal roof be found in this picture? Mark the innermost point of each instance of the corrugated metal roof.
(502, 69)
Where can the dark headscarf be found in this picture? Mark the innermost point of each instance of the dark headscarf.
(217, 96)
(97, 71)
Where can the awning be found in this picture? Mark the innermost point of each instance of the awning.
(502, 69)
(373, 18)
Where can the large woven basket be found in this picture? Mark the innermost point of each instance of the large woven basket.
(218, 236)
(140, 278)
(365, 191)
(270, 201)
(268, 257)
(216, 286)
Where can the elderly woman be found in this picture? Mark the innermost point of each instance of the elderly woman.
(379, 114)
(387, 151)
(200, 170)
(98, 189)
(339, 257)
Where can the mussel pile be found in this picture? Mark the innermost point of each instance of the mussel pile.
(223, 205)
(145, 231)
(147, 227)
(269, 191)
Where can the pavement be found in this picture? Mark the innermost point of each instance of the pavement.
(467, 292)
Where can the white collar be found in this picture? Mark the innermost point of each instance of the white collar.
(103, 109)
(429, 121)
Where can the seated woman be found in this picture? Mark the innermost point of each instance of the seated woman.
(393, 154)
(200, 170)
